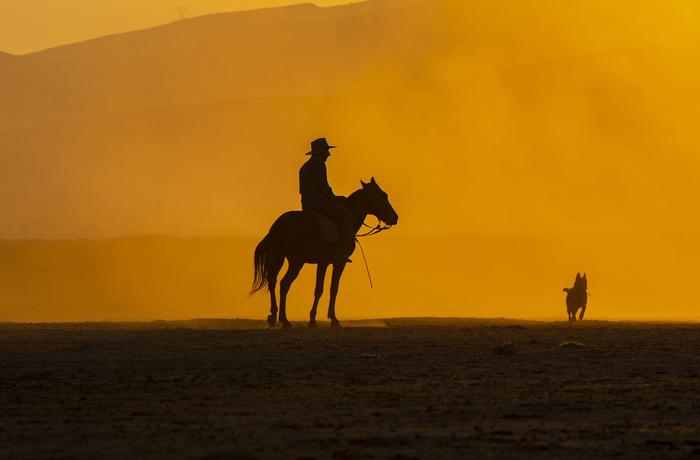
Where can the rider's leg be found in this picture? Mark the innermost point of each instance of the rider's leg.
(347, 231)
(343, 220)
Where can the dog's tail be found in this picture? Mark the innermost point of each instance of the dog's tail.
(567, 290)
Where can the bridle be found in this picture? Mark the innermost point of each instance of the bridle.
(379, 228)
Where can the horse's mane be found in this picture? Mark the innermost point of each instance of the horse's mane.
(344, 200)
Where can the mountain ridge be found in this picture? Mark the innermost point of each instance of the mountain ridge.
(213, 57)
(169, 26)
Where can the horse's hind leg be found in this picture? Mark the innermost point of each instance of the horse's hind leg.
(285, 284)
(318, 292)
(272, 272)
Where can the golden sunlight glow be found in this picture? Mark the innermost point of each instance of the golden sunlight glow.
(520, 142)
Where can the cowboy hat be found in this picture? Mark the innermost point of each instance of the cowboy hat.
(320, 145)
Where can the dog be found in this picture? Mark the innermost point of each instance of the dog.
(577, 297)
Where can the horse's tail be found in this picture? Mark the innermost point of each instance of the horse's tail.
(260, 265)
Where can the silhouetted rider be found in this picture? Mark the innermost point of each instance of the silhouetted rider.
(317, 195)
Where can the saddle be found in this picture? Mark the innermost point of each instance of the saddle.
(329, 230)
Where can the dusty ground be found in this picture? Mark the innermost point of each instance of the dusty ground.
(414, 389)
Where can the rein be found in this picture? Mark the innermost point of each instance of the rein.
(379, 228)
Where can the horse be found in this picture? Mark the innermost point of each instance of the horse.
(577, 297)
(296, 236)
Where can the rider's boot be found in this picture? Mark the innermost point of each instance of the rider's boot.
(344, 250)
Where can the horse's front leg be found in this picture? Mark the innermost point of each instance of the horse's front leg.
(318, 291)
(285, 284)
(335, 284)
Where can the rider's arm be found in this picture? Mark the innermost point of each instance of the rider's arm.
(321, 178)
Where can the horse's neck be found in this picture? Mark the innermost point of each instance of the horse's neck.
(358, 206)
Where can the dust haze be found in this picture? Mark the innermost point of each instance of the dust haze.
(519, 142)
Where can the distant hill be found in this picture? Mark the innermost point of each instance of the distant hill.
(25, 28)
(290, 51)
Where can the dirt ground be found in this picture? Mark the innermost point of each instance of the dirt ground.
(386, 389)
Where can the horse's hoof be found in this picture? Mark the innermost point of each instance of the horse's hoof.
(335, 323)
(271, 321)
(312, 324)
(286, 324)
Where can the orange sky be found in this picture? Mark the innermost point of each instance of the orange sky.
(31, 25)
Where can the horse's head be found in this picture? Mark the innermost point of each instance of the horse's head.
(378, 203)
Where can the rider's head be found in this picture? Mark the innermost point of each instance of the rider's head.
(320, 148)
